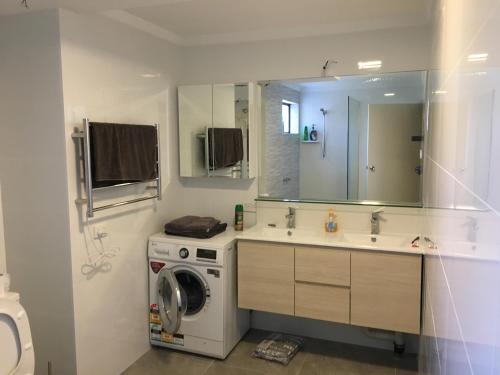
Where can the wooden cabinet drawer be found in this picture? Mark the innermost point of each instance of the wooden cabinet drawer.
(265, 277)
(322, 302)
(323, 265)
(385, 291)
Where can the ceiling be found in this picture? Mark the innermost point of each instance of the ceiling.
(194, 22)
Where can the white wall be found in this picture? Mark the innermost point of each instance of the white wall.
(399, 49)
(34, 188)
(3, 260)
(461, 317)
(103, 64)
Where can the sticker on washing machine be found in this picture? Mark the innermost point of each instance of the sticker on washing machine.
(155, 330)
(175, 339)
(154, 314)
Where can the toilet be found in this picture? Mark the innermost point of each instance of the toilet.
(17, 355)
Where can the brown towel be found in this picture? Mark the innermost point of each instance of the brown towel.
(195, 226)
(228, 148)
(122, 153)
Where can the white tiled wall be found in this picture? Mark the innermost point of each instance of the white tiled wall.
(461, 318)
(280, 175)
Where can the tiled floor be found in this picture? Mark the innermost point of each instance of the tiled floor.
(318, 357)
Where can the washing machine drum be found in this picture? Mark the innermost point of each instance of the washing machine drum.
(181, 292)
(16, 354)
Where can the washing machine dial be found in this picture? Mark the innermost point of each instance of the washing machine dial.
(183, 253)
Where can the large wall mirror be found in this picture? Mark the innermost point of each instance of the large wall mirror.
(354, 139)
(214, 130)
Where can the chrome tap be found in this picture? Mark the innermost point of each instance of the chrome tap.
(375, 220)
(291, 218)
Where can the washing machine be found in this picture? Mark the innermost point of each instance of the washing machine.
(193, 294)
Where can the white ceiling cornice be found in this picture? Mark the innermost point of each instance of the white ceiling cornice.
(259, 35)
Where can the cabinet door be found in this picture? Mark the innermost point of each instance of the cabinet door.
(323, 265)
(265, 277)
(195, 115)
(385, 291)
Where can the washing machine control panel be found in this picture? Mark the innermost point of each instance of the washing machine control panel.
(183, 253)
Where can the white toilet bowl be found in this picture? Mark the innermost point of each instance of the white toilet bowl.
(17, 355)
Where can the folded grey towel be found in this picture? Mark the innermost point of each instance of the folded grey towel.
(190, 224)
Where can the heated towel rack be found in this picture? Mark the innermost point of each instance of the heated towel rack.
(86, 156)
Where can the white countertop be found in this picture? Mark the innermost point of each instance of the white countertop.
(400, 243)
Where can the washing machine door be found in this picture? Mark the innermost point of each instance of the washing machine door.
(170, 301)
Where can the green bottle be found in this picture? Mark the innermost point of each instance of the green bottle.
(306, 133)
(238, 217)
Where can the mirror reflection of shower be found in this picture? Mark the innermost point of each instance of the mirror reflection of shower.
(324, 112)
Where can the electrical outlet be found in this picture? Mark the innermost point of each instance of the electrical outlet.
(250, 207)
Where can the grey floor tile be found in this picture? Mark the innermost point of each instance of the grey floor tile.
(222, 369)
(164, 361)
(241, 357)
(318, 357)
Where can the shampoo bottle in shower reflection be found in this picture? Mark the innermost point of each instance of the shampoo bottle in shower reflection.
(313, 136)
(306, 134)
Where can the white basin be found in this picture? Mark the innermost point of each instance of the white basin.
(376, 240)
(354, 240)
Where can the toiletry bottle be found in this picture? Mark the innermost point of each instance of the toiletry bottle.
(306, 134)
(330, 224)
(238, 217)
(313, 136)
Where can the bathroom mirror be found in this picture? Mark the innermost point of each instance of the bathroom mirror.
(214, 130)
(353, 139)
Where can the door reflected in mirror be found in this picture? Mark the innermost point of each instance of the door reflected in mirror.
(358, 139)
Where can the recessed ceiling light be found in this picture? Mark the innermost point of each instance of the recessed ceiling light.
(375, 64)
(476, 57)
(389, 94)
(440, 92)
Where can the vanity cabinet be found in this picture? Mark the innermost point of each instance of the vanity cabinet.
(373, 289)
(266, 277)
(386, 290)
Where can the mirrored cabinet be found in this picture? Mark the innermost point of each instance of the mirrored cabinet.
(215, 127)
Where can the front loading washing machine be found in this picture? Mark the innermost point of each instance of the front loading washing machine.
(193, 294)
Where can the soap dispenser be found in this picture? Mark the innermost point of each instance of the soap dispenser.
(330, 224)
